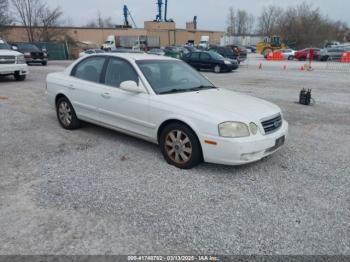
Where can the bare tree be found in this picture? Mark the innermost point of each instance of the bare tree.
(268, 20)
(231, 21)
(305, 26)
(240, 22)
(36, 16)
(100, 22)
(49, 27)
(4, 15)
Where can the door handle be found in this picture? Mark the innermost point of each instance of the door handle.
(71, 87)
(106, 95)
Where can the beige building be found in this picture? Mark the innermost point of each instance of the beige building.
(167, 32)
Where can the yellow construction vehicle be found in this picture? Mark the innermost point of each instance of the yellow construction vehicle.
(270, 44)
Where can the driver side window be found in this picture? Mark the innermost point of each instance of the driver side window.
(205, 56)
(119, 71)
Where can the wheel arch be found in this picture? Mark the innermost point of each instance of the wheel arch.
(174, 120)
(59, 96)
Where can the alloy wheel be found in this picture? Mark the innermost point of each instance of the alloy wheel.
(65, 113)
(178, 146)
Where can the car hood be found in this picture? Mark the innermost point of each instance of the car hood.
(223, 104)
(9, 52)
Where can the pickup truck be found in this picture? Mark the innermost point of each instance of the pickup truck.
(12, 62)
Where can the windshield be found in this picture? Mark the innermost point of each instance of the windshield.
(216, 55)
(4, 46)
(172, 76)
(28, 47)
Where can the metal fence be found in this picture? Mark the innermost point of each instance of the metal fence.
(56, 51)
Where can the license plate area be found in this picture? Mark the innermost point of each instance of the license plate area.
(279, 142)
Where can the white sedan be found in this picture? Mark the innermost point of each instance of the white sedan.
(91, 52)
(167, 102)
(288, 54)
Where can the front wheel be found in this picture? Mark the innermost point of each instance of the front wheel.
(217, 69)
(180, 146)
(291, 57)
(66, 115)
(19, 77)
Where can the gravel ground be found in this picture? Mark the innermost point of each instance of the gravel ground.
(95, 191)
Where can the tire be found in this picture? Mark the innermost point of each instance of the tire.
(19, 77)
(217, 69)
(180, 146)
(66, 114)
(44, 63)
(291, 57)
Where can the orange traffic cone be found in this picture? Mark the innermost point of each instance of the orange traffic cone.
(302, 68)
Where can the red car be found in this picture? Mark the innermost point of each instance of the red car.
(304, 54)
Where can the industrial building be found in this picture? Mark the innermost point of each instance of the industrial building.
(161, 27)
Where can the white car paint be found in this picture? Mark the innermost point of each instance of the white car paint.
(10, 67)
(142, 114)
(288, 54)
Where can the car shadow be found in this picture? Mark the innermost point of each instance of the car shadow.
(4, 79)
(217, 169)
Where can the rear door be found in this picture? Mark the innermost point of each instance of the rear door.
(206, 61)
(194, 60)
(84, 86)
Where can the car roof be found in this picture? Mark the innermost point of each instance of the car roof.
(137, 56)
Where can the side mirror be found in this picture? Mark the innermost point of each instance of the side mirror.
(131, 86)
(14, 48)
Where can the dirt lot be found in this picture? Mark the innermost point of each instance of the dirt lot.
(95, 191)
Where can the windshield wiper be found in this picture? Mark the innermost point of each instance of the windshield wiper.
(172, 91)
(198, 88)
(194, 89)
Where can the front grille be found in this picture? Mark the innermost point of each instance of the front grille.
(37, 55)
(272, 124)
(7, 60)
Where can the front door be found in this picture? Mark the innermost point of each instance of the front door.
(121, 109)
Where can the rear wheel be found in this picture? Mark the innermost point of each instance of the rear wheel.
(291, 57)
(66, 115)
(44, 63)
(180, 146)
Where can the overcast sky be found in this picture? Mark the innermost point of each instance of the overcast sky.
(212, 14)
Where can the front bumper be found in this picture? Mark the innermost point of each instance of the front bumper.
(36, 60)
(10, 69)
(231, 66)
(240, 151)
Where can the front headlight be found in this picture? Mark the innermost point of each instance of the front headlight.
(20, 59)
(233, 130)
(227, 62)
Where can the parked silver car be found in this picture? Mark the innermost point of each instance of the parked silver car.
(334, 53)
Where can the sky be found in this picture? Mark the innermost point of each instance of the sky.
(212, 14)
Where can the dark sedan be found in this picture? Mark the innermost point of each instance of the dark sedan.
(225, 52)
(32, 54)
(211, 61)
(240, 51)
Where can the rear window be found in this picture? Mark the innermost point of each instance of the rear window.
(89, 69)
